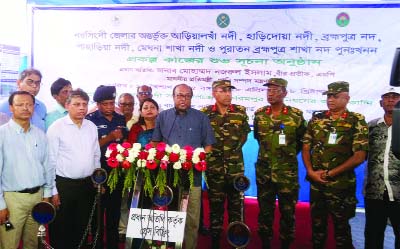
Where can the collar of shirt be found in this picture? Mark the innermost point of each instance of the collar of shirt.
(17, 127)
(61, 109)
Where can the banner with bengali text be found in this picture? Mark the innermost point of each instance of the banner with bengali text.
(310, 45)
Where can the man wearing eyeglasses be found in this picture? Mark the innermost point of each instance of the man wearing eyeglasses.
(382, 188)
(336, 142)
(30, 81)
(126, 104)
(184, 125)
(60, 90)
(230, 125)
(278, 128)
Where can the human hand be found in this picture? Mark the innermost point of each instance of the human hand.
(4, 215)
(317, 176)
(55, 200)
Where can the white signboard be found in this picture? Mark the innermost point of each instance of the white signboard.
(156, 225)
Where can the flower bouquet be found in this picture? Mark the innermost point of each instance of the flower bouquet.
(154, 161)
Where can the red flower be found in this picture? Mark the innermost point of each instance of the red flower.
(112, 146)
(173, 157)
(161, 146)
(126, 145)
(189, 152)
(187, 165)
(202, 156)
(148, 146)
(125, 153)
(151, 164)
(112, 162)
(126, 164)
(114, 153)
(160, 154)
(143, 155)
(163, 165)
(201, 166)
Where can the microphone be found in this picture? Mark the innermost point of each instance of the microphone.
(396, 131)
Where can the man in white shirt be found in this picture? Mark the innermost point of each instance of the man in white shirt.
(74, 153)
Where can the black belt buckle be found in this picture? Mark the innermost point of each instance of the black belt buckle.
(33, 190)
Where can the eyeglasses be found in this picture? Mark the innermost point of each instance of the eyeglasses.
(144, 93)
(125, 104)
(32, 83)
(183, 96)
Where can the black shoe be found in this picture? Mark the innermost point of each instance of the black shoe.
(122, 237)
(285, 244)
(215, 240)
(266, 243)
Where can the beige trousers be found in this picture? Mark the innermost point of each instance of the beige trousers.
(20, 206)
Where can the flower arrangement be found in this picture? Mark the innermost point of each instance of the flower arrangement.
(154, 161)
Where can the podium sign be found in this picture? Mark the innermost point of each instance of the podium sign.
(156, 225)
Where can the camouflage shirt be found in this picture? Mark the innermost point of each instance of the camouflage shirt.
(351, 135)
(377, 168)
(280, 157)
(229, 130)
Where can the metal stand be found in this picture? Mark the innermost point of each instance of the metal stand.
(238, 233)
(43, 213)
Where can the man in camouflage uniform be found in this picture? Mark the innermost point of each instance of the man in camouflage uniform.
(382, 188)
(230, 125)
(336, 141)
(278, 129)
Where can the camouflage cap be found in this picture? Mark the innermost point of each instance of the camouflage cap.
(337, 87)
(222, 83)
(276, 82)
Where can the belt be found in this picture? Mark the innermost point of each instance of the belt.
(33, 190)
(79, 180)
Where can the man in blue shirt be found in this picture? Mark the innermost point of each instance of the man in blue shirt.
(111, 128)
(30, 81)
(26, 177)
(60, 90)
(184, 125)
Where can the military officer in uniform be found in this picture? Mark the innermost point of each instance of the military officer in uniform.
(230, 125)
(336, 141)
(279, 130)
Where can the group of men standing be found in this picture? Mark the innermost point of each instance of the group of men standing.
(332, 144)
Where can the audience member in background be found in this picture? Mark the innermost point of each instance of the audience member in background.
(111, 128)
(26, 177)
(126, 103)
(184, 125)
(30, 81)
(382, 188)
(336, 141)
(143, 92)
(60, 90)
(278, 129)
(74, 152)
(230, 125)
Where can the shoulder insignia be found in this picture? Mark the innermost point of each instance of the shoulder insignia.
(261, 109)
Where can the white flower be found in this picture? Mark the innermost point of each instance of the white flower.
(182, 155)
(132, 155)
(195, 159)
(119, 158)
(175, 148)
(136, 146)
(196, 155)
(168, 149)
(177, 165)
(165, 158)
(141, 163)
(152, 154)
(120, 149)
(108, 153)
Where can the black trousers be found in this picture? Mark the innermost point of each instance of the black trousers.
(377, 212)
(72, 217)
